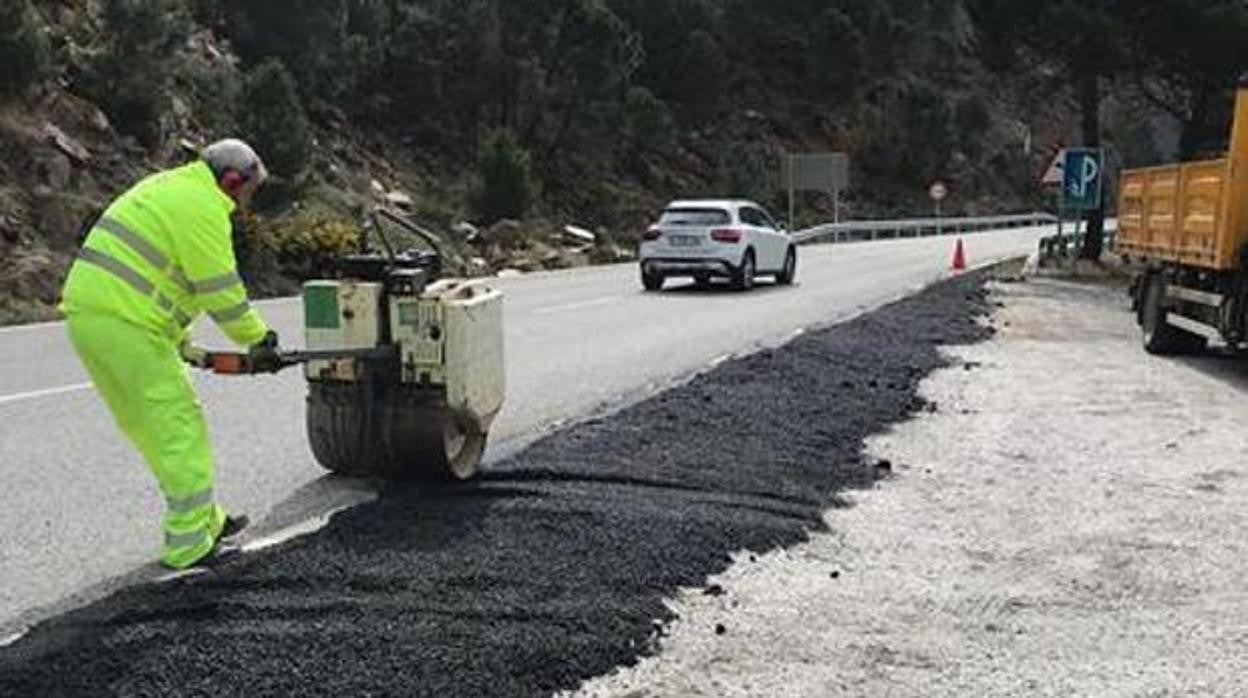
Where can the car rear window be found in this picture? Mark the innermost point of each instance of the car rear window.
(695, 216)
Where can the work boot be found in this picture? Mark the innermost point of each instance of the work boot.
(224, 549)
(222, 552)
(234, 525)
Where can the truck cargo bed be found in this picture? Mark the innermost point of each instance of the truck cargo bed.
(1193, 214)
(1174, 214)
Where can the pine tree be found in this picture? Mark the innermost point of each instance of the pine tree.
(132, 74)
(23, 47)
(274, 122)
(1086, 39)
(504, 171)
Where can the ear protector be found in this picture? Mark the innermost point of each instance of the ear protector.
(233, 180)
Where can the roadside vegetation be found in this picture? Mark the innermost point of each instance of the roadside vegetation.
(585, 112)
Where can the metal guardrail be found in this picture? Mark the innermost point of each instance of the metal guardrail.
(854, 231)
(1070, 245)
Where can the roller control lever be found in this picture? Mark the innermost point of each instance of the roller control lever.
(231, 363)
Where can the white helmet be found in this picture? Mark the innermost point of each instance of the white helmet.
(233, 154)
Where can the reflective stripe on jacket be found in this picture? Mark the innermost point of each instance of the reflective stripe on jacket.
(161, 255)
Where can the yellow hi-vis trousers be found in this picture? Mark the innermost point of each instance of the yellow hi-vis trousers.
(142, 379)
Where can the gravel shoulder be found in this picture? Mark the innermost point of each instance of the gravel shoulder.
(1071, 521)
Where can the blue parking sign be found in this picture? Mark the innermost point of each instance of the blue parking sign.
(1082, 179)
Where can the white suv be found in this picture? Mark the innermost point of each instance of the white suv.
(705, 239)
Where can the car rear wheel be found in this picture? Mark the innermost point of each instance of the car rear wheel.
(743, 280)
(789, 272)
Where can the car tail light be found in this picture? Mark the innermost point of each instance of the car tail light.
(652, 233)
(731, 235)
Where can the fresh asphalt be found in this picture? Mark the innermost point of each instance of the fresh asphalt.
(78, 509)
(552, 568)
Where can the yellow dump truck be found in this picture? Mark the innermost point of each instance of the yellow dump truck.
(1187, 227)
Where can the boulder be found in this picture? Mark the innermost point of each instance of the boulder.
(466, 231)
(62, 142)
(53, 169)
(9, 230)
(59, 216)
(505, 232)
(577, 235)
(399, 199)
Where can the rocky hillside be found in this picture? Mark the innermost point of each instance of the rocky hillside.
(499, 125)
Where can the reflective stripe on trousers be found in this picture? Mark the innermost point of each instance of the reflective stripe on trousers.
(187, 505)
(186, 540)
(150, 395)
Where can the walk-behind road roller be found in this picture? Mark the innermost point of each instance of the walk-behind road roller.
(404, 370)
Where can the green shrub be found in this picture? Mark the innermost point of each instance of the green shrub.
(297, 247)
(23, 47)
(744, 172)
(316, 238)
(503, 168)
(214, 91)
(133, 71)
(647, 122)
(973, 119)
(908, 131)
(274, 122)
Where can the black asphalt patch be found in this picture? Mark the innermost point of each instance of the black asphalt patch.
(553, 568)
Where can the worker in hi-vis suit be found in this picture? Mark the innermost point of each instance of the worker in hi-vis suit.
(157, 258)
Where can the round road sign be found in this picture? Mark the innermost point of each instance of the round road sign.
(938, 191)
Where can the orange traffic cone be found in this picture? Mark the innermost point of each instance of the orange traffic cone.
(959, 257)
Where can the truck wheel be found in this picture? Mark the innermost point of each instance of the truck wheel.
(1160, 337)
(407, 433)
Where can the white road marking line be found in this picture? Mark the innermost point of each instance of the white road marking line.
(553, 309)
(47, 392)
(5, 642)
(286, 534)
(180, 574)
(32, 327)
(300, 529)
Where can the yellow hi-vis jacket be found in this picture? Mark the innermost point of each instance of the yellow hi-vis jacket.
(161, 255)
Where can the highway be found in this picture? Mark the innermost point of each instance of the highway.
(79, 509)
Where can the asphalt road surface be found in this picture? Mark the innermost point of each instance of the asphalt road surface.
(554, 566)
(79, 509)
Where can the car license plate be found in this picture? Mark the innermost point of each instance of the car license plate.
(684, 240)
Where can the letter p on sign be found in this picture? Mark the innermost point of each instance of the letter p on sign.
(1082, 185)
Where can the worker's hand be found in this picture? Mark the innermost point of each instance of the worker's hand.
(263, 356)
(194, 356)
